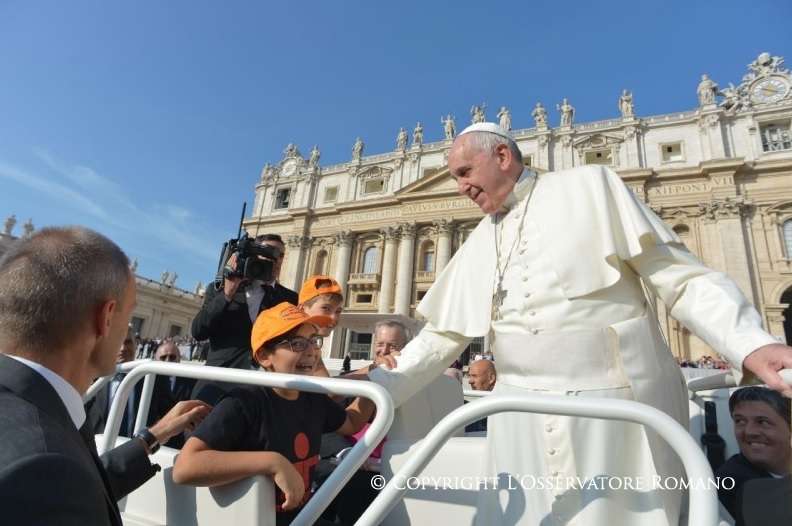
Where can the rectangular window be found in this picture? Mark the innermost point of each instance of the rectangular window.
(428, 261)
(603, 157)
(671, 152)
(527, 160)
(364, 298)
(374, 186)
(776, 137)
(282, 198)
(175, 330)
(331, 194)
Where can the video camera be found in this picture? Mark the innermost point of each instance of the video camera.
(248, 264)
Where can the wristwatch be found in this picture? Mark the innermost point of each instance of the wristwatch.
(149, 440)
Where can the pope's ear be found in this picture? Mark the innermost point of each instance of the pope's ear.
(504, 154)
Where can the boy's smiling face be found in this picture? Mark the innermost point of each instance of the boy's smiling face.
(331, 309)
(285, 360)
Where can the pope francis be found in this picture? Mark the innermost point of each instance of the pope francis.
(554, 274)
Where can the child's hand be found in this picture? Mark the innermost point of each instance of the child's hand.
(289, 480)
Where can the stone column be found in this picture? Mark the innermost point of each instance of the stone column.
(343, 240)
(388, 268)
(296, 254)
(445, 229)
(712, 141)
(727, 214)
(405, 276)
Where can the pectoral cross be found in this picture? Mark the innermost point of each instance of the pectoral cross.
(497, 300)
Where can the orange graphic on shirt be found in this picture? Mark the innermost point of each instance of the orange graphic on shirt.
(303, 467)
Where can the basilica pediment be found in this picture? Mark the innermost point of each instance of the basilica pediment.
(435, 181)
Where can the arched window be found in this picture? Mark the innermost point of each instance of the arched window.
(788, 237)
(370, 260)
(428, 257)
(320, 267)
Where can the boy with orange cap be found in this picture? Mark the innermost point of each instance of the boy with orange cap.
(272, 431)
(322, 296)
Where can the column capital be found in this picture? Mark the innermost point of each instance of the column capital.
(343, 238)
(391, 233)
(444, 226)
(408, 229)
(299, 242)
(726, 208)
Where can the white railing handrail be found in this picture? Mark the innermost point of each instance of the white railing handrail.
(703, 502)
(727, 380)
(337, 479)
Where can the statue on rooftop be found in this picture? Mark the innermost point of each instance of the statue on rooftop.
(626, 104)
(418, 134)
(449, 127)
(401, 139)
(9, 225)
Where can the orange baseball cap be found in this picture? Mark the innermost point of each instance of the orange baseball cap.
(279, 320)
(316, 285)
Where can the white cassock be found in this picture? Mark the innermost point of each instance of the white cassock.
(575, 322)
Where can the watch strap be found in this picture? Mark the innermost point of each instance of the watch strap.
(149, 440)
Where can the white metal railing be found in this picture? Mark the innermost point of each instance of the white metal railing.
(338, 478)
(703, 502)
(726, 380)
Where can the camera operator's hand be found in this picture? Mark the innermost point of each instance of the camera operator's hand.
(230, 285)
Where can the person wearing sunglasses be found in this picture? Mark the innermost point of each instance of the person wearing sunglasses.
(271, 430)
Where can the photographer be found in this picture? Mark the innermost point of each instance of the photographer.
(232, 304)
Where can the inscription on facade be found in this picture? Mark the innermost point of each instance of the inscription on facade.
(379, 215)
(685, 188)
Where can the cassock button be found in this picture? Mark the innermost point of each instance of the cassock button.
(534, 331)
(522, 251)
(554, 473)
(525, 278)
(549, 429)
(551, 451)
(531, 313)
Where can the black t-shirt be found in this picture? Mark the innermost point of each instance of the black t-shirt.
(258, 419)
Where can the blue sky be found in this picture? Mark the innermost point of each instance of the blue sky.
(150, 121)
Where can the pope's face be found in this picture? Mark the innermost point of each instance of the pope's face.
(480, 174)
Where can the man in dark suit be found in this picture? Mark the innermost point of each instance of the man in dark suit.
(98, 407)
(66, 296)
(226, 319)
(180, 387)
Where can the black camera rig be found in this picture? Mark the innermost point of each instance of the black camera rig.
(254, 260)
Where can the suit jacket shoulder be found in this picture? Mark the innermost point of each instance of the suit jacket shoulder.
(44, 457)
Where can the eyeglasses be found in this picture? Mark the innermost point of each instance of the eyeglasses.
(299, 344)
(167, 358)
(389, 346)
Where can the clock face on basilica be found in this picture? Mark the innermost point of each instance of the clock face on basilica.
(289, 167)
(769, 89)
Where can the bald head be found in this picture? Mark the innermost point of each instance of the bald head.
(168, 352)
(481, 375)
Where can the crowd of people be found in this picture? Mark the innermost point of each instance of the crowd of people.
(576, 325)
(705, 362)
